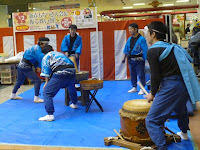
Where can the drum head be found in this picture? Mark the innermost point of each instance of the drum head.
(137, 105)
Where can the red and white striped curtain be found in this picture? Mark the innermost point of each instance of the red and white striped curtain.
(105, 63)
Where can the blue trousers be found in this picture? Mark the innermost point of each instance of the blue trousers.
(172, 96)
(21, 76)
(136, 68)
(54, 85)
(189, 108)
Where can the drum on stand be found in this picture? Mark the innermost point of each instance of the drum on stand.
(132, 119)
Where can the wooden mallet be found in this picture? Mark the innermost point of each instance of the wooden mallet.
(119, 135)
(73, 59)
(142, 87)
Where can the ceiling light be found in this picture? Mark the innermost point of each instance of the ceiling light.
(132, 13)
(168, 4)
(127, 7)
(34, 8)
(181, 1)
(137, 4)
(167, 11)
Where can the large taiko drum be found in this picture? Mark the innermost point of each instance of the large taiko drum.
(133, 114)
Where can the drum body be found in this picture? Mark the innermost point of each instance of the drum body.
(91, 84)
(132, 119)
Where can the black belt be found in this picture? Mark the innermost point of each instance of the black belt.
(27, 61)
(135, 56)
(71, 52)
(62, 67)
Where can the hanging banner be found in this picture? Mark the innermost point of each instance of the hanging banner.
(68, 6)
(54, 19)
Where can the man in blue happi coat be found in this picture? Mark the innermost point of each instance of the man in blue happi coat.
(32, 57)
(59, 72)
(72, 44)
(172, 72)
(136, 51)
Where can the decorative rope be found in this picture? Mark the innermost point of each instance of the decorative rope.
(135, 112)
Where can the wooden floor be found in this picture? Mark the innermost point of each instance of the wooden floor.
(19, 147)
(22, 147)
(195, 127)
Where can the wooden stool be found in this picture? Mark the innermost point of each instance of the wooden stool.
(80, 76)
(89, 85)
(84, 96)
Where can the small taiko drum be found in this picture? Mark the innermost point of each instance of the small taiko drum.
(133, 114)
(91, 84)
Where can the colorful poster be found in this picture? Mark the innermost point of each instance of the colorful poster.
(54, 19)
(85, 19)
(191, 16)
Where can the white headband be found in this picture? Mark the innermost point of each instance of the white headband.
(157, 31)
(45, 42)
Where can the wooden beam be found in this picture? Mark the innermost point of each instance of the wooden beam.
(152, 14)
(148, 9)
(13, 2)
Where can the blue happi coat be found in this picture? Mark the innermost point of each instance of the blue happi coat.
(77, 46)
(52, 60)
(140, 47)
(34, 55)
(184, 62)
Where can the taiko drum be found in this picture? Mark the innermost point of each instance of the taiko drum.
(132, 119)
